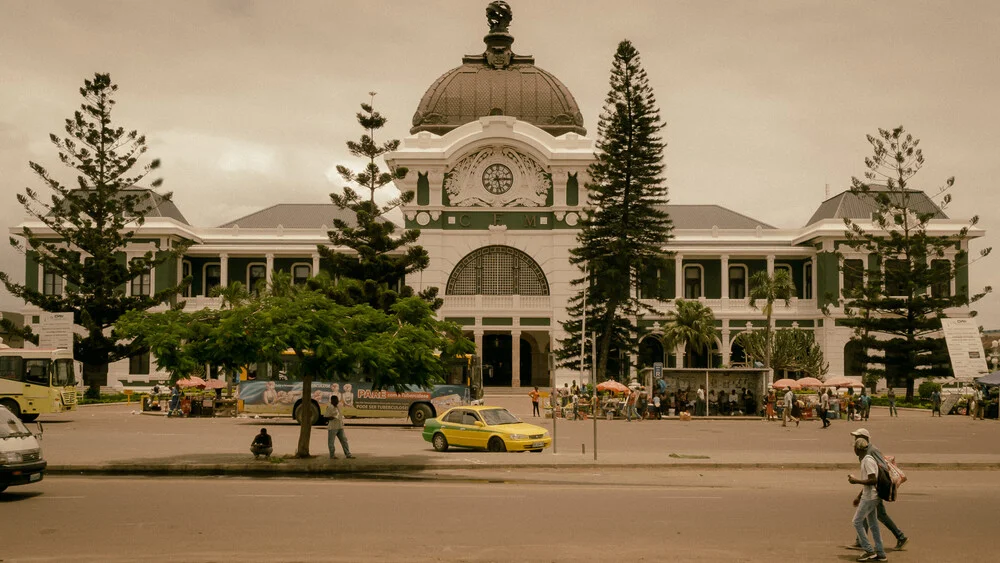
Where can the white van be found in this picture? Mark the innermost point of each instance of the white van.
(21, 459)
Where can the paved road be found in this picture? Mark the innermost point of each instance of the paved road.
(117, 434)
(570, 515)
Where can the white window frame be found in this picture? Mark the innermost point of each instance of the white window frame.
(55, 277)
(864, 270)
(204, 276)
(250, 287)
(885, 278)
(701, 280)
(951, 264)
(746, 280)
(190, 270)
(131, 282)
(291, 270)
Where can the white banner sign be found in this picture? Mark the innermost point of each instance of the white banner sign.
(55, 330)
(968, 360)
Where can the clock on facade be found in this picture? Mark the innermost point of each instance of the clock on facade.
(497, 179)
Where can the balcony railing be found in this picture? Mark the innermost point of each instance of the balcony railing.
(497, 303)
(742, 306)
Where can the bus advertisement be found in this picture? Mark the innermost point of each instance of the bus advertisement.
(36, 381)
(281, 395)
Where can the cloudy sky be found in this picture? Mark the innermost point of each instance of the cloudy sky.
(249, 103)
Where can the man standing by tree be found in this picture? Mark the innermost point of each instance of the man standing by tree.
(93, 224)
(622, 237)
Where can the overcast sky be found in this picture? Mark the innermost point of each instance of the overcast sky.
(249, 103)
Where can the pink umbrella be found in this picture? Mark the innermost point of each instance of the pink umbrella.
(215, 384)
(613, 386)
(782, 383)
(810, 382)
(842, 382)
(191, 381)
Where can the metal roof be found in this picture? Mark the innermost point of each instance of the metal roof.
(293, 216)
(708, 216)
(847, 205)
(159, 205)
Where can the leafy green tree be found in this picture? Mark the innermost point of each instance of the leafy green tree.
(692, 325)
(377, 256)
(88, 228)
(770, 289)
(622, 238)
(896, 312)
(792, 349)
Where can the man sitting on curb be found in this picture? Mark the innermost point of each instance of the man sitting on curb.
(261, 445)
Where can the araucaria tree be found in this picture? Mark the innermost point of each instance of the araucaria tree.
(377, 256)
(89, 227)
(622, 238)
(914, 277)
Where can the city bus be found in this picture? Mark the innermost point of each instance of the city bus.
(280, 393)
(36, 381)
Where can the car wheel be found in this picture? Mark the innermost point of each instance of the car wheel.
(29, 417)
(535, 451)
(440, 442)
(12, 406)
(496, 445)
(419, 414)
(315, 414)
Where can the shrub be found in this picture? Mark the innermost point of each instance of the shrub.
(928, 387)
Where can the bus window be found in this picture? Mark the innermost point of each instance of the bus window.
(36, 371)
(10, 367)
(63, 375)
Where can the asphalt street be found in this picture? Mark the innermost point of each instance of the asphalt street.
(565, 515)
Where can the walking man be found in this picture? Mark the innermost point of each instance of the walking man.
(863, 404)
(980, 405)
(891, 395)
(824, 406)
(936, 403)
(880, 512)
(630, 410)
(534, 401)
(786, 414)
(335, 428)
(867, 503)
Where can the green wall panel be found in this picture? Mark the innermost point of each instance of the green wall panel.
(31, 270)
(827, 278)
(712, 280)
(463, 321)
(166, 274)
(423, 189)
(573, 190)
(535, 321)
(498, 321)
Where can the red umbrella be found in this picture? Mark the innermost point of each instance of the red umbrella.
(191, 381)
(613, 386)
(782, 383)
(810, 382)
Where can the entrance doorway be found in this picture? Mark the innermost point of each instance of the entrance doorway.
(497, 369)
(526, 362)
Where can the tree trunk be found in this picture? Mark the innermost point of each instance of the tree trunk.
(305, 418)
(909, 390)
(94, 377)
(604, 346)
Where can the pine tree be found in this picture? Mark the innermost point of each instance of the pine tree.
(622, 239)
(896, 312)
(380, 259)
(89, 227)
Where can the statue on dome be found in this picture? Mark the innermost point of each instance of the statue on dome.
(498, 14)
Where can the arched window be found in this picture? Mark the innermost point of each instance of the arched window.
(497, 270)
(853, 358)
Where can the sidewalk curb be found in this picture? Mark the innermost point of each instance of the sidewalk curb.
(314, 468)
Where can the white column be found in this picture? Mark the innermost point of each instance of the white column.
(224, 269)
(269, 265)
(770, 266)
(515, 360)
(315, 264)
(678, 276)
(478, 335)
(180, 269)
(725, 342)
(560, 177)
(435, 185)
(725, 276)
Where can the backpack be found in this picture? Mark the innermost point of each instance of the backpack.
(884, 486)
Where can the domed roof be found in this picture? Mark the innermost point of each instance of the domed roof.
(498, 82)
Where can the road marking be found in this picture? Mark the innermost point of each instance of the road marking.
(50, 497)
(266, 496)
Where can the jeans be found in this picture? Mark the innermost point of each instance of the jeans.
(534, 408)
(331, 435)
(257, 450)
(883, 517)
(867, 512)
(631, 411)
(892, 408)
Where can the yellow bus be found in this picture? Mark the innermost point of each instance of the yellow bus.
(36, 381)
(280, 393)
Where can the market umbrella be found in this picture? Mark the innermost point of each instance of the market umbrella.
(809, 382)
(613, 386)
(842, 382)
(192, 381)
(782, 383)
(991, 380)
(215, 384)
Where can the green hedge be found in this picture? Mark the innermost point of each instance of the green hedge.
(917, 403)
(112, 398)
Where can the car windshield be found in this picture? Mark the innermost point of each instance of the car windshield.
(10, 425)
(494, 417)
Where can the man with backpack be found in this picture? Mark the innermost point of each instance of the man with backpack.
(880, 512)
(867, 503)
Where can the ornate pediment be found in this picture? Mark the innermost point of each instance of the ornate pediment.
(498, 176)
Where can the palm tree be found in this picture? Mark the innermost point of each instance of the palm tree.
(770, 289)
(693, 324)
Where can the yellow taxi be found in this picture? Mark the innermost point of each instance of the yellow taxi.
(490, 428)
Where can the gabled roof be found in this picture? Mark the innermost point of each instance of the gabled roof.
(292, 216)
(708, 216)
(847, 205)
(159, 205)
